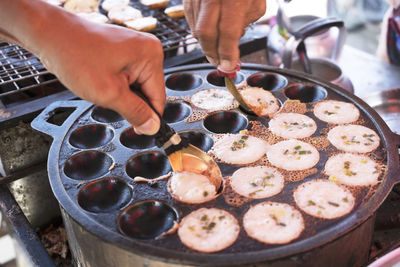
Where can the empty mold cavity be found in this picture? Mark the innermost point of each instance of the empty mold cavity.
(147, 219)
(176, 111)
(267, 80)
(105, 115)
(87, 165)
(91, 136)
(104, 195)
(131, 139)
(225, 122)
(306, 93)
(148, 164)
(198, 139)
(217, 80)
(183, 81)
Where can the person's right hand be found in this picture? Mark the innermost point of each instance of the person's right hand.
(219, 24)
(99, 62)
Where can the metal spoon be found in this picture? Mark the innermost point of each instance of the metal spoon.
(229, 77)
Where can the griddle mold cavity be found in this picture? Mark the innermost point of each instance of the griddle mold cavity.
(147, 219)
(129, 138)
(183, 81)
(225, 122)
(150, 164)
(88, 165)
(91, 136)
(198, 139)
(104, 195)
(217, 80)
(105, 115)
(267, 80)
(176, 111)
(306, 93)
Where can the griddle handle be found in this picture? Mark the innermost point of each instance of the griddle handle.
(42, 122)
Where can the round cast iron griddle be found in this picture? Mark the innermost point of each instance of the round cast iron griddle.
(77, 171)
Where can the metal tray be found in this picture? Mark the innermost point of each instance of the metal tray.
(387, 104)
(76, 164)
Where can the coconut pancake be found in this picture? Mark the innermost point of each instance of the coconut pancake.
(154, 3)
(81, 6)
(273, 223)
(352, 169)
(354, 138)
(94, 17)
(257, 182)
(261, 101)
(337, 112)
(190, 187)
(107, 5)
(55, 2)
(324, 199)
(293, 155)
(146, 24)
(214, 99)
(175, 11)
(122, 14)
(292, 125)
(208, 230)
(239, 148)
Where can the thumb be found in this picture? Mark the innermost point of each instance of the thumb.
(137, 112)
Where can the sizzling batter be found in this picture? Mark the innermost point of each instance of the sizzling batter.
(261, 101)
(352, 169)
(273, 223)
(293, 155)
(324, 199)
(208, 230)
(354, 138)
(257, 182)
(191, 187)
(239, 148)
(214, 99)
(292, 125)
(336, 112)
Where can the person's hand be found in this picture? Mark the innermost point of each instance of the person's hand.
(219, 24)
(99, 62)
(96, 62)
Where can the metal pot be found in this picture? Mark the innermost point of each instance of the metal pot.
(326, 70)
(81, 160)
(323, 37)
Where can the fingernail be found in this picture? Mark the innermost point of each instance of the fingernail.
(149, 127)
(227, 65)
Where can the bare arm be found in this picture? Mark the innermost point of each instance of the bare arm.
(96, 62)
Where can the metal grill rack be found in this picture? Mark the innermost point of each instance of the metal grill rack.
(20, 71)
